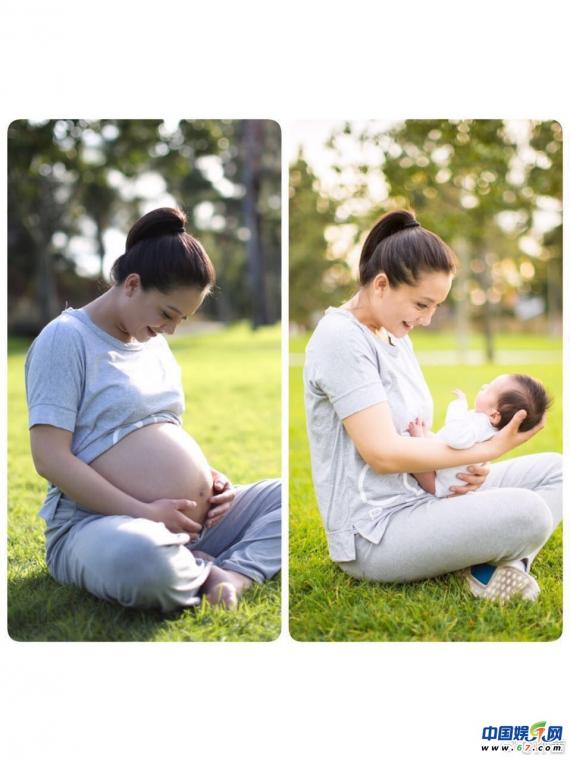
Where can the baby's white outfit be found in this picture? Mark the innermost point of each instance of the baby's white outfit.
(463, 428)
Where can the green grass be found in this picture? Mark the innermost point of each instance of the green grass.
(326, 604)
(427, 340)
(232, 381)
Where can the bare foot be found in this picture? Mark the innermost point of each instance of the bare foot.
(224, 587)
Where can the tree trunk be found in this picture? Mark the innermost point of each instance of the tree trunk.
(252, 143)
(488, 332)
(553, 281)
(100, 247)
(223, 304)
(462, 304)
(44, 275)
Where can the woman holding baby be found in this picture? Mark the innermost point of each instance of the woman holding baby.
(369, 415)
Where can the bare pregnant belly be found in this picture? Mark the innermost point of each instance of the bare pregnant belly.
(159, 461)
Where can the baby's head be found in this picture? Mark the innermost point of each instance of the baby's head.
(508, 394)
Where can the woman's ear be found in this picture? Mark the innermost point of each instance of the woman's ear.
(131, 283)
(380, 282)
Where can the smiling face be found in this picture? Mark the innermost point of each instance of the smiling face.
(142, 314)
(401, 309)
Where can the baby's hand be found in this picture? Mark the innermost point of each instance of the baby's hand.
(416, 428)
(459, 394)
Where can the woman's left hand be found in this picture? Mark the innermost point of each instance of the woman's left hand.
(474, 478)
(221, 499)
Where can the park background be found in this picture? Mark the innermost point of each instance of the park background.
(492, 189)
(74, 189)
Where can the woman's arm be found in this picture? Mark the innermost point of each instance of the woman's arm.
(378, 443)
(53, 459)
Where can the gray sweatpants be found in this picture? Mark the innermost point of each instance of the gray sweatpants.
(509, 518)
(140, 563)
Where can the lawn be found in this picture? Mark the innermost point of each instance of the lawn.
(326, 604)
(233, 385)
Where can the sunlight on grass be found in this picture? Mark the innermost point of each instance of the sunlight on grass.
(232, 381)
(326, 604)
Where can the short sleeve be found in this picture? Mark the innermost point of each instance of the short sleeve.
(459, 431)
(343, 365)
(55, 372)
(457, 410)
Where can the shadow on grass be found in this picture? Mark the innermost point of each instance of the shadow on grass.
(41, 610)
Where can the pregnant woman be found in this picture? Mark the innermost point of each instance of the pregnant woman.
(363, 386)
(134, 513)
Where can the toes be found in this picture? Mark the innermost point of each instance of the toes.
(224, 594)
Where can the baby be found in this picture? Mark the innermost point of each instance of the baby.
(495, 405)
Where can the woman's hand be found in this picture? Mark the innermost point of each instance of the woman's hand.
(221, 500)
(510, 437)
(175, 514)
(474, 478)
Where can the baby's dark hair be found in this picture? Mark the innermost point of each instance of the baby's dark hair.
(163, 254)
(530, 396)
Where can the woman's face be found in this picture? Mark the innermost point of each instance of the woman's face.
(401, 309)
(144, 313)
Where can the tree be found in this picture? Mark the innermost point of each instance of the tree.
(78, 177)
(545, 181)
(38, 192)
(315, 278)
(462, 177)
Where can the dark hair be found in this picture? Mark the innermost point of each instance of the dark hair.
(401, 248)
(163, 254)
(530, 396)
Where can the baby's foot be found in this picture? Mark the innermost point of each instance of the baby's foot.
(224, 587)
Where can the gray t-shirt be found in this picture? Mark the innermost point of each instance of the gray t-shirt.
(81, 379)
(347, 369)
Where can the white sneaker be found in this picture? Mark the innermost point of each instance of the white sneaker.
(505, 583)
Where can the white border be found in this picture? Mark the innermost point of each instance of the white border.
(286, 62)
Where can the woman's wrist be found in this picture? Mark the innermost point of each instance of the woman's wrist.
(140, 509)
(492, 449)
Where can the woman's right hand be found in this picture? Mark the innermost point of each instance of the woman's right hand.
(174, 513)
(510, 437)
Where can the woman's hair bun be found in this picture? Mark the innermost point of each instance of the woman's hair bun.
(393, 222)
(401, 248)
(164, 221)
(164, 255)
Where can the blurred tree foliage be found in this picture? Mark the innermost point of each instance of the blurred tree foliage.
(316, 278)
(69, 178)
(480, 186)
